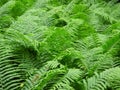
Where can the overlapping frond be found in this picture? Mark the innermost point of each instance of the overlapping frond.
(59, 45)
(10, 77)
(107, 79)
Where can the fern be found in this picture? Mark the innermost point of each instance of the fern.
(103, 80)
(10, 76)
(7, 7)
(110, 44)
(59, 45)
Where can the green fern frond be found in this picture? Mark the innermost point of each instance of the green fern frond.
(103, 80)
(10, 77)
(34, 79)
(60, 82)
(59, 45)
(67, 79)
(109, 45)
(101, 11)
(46, 79)
(7, 7)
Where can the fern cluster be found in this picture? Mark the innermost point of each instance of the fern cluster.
(59, 45)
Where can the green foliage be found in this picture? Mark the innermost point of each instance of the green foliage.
(5, 21)
(59, 45)
(104, 80)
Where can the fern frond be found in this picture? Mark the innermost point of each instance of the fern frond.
(101, 11)
(103, 80)
(73, 74)
(109, 45)
(10, 77)
(7, 7)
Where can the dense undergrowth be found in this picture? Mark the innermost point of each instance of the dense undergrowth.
(59, 45)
